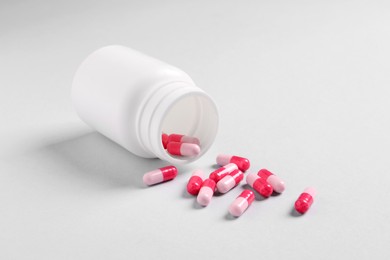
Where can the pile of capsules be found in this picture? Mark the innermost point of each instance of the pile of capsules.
(225, 178)
(181, 145)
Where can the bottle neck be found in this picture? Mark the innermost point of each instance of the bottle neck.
(180, 108)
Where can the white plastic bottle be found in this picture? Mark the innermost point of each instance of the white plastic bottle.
(132, 99)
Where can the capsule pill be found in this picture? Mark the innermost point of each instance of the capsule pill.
(230, 181)
(242, 163)
(221, 172)
(260, 185)
(183, 149)
(206, 192)
(276, 183)
(160, 175)
(241, 203)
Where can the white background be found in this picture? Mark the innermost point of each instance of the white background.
(303, 89)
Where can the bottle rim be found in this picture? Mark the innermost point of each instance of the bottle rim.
(157, 109)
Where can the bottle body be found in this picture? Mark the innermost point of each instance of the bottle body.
(133, 99)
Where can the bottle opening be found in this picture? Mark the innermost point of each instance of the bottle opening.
(188, 128)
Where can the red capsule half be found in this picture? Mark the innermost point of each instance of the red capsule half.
(195, 182)
(164, 139)
(305, 200)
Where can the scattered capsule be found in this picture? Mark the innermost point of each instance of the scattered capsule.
(183, 139)
(259, 184)
(230, 181)
(195, 182)
(241, 203)
(218, 174)
(242, 163)
(183, 149)
(305, 200)
(206, 192)
(164, 139)
(276, 183)
(160, 175)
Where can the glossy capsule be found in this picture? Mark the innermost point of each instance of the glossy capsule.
(305, 200)
(183, 149)
(160, 175)
(242, 163)
(221, 172)
(241, 203)
(230, 181)
(260, 185)
(164, 140)
(183, 139)
(206, 192)
(276, 183)
(195, 182)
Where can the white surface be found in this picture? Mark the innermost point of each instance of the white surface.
(303, 89)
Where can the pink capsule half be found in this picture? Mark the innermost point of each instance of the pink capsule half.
(183, 139)
(242, 163)
(230, 181)
(183, 149)
(260, 185)
(206, 192)
(241, 203)
(160, 175)
(276, 183)
(218, 174)
(195, 182)
(303, 203)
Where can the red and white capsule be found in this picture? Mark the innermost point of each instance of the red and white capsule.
(276, 183)
(242, 163)
(305, 200)
(183, 149)
(230, 181)
(241, 203)
(259, 184)
(183, 139)
(160, 175)
(206, 192)
(195, 182)
(218, 174)
(164, 140)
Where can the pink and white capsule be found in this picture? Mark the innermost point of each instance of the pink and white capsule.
(195, 182)
(160, 175)
(206, 192)
(183, 149)
(242, 163)
(218, 174)
(276, 183)
(183, 139)
(241, 203)
(230, 181)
